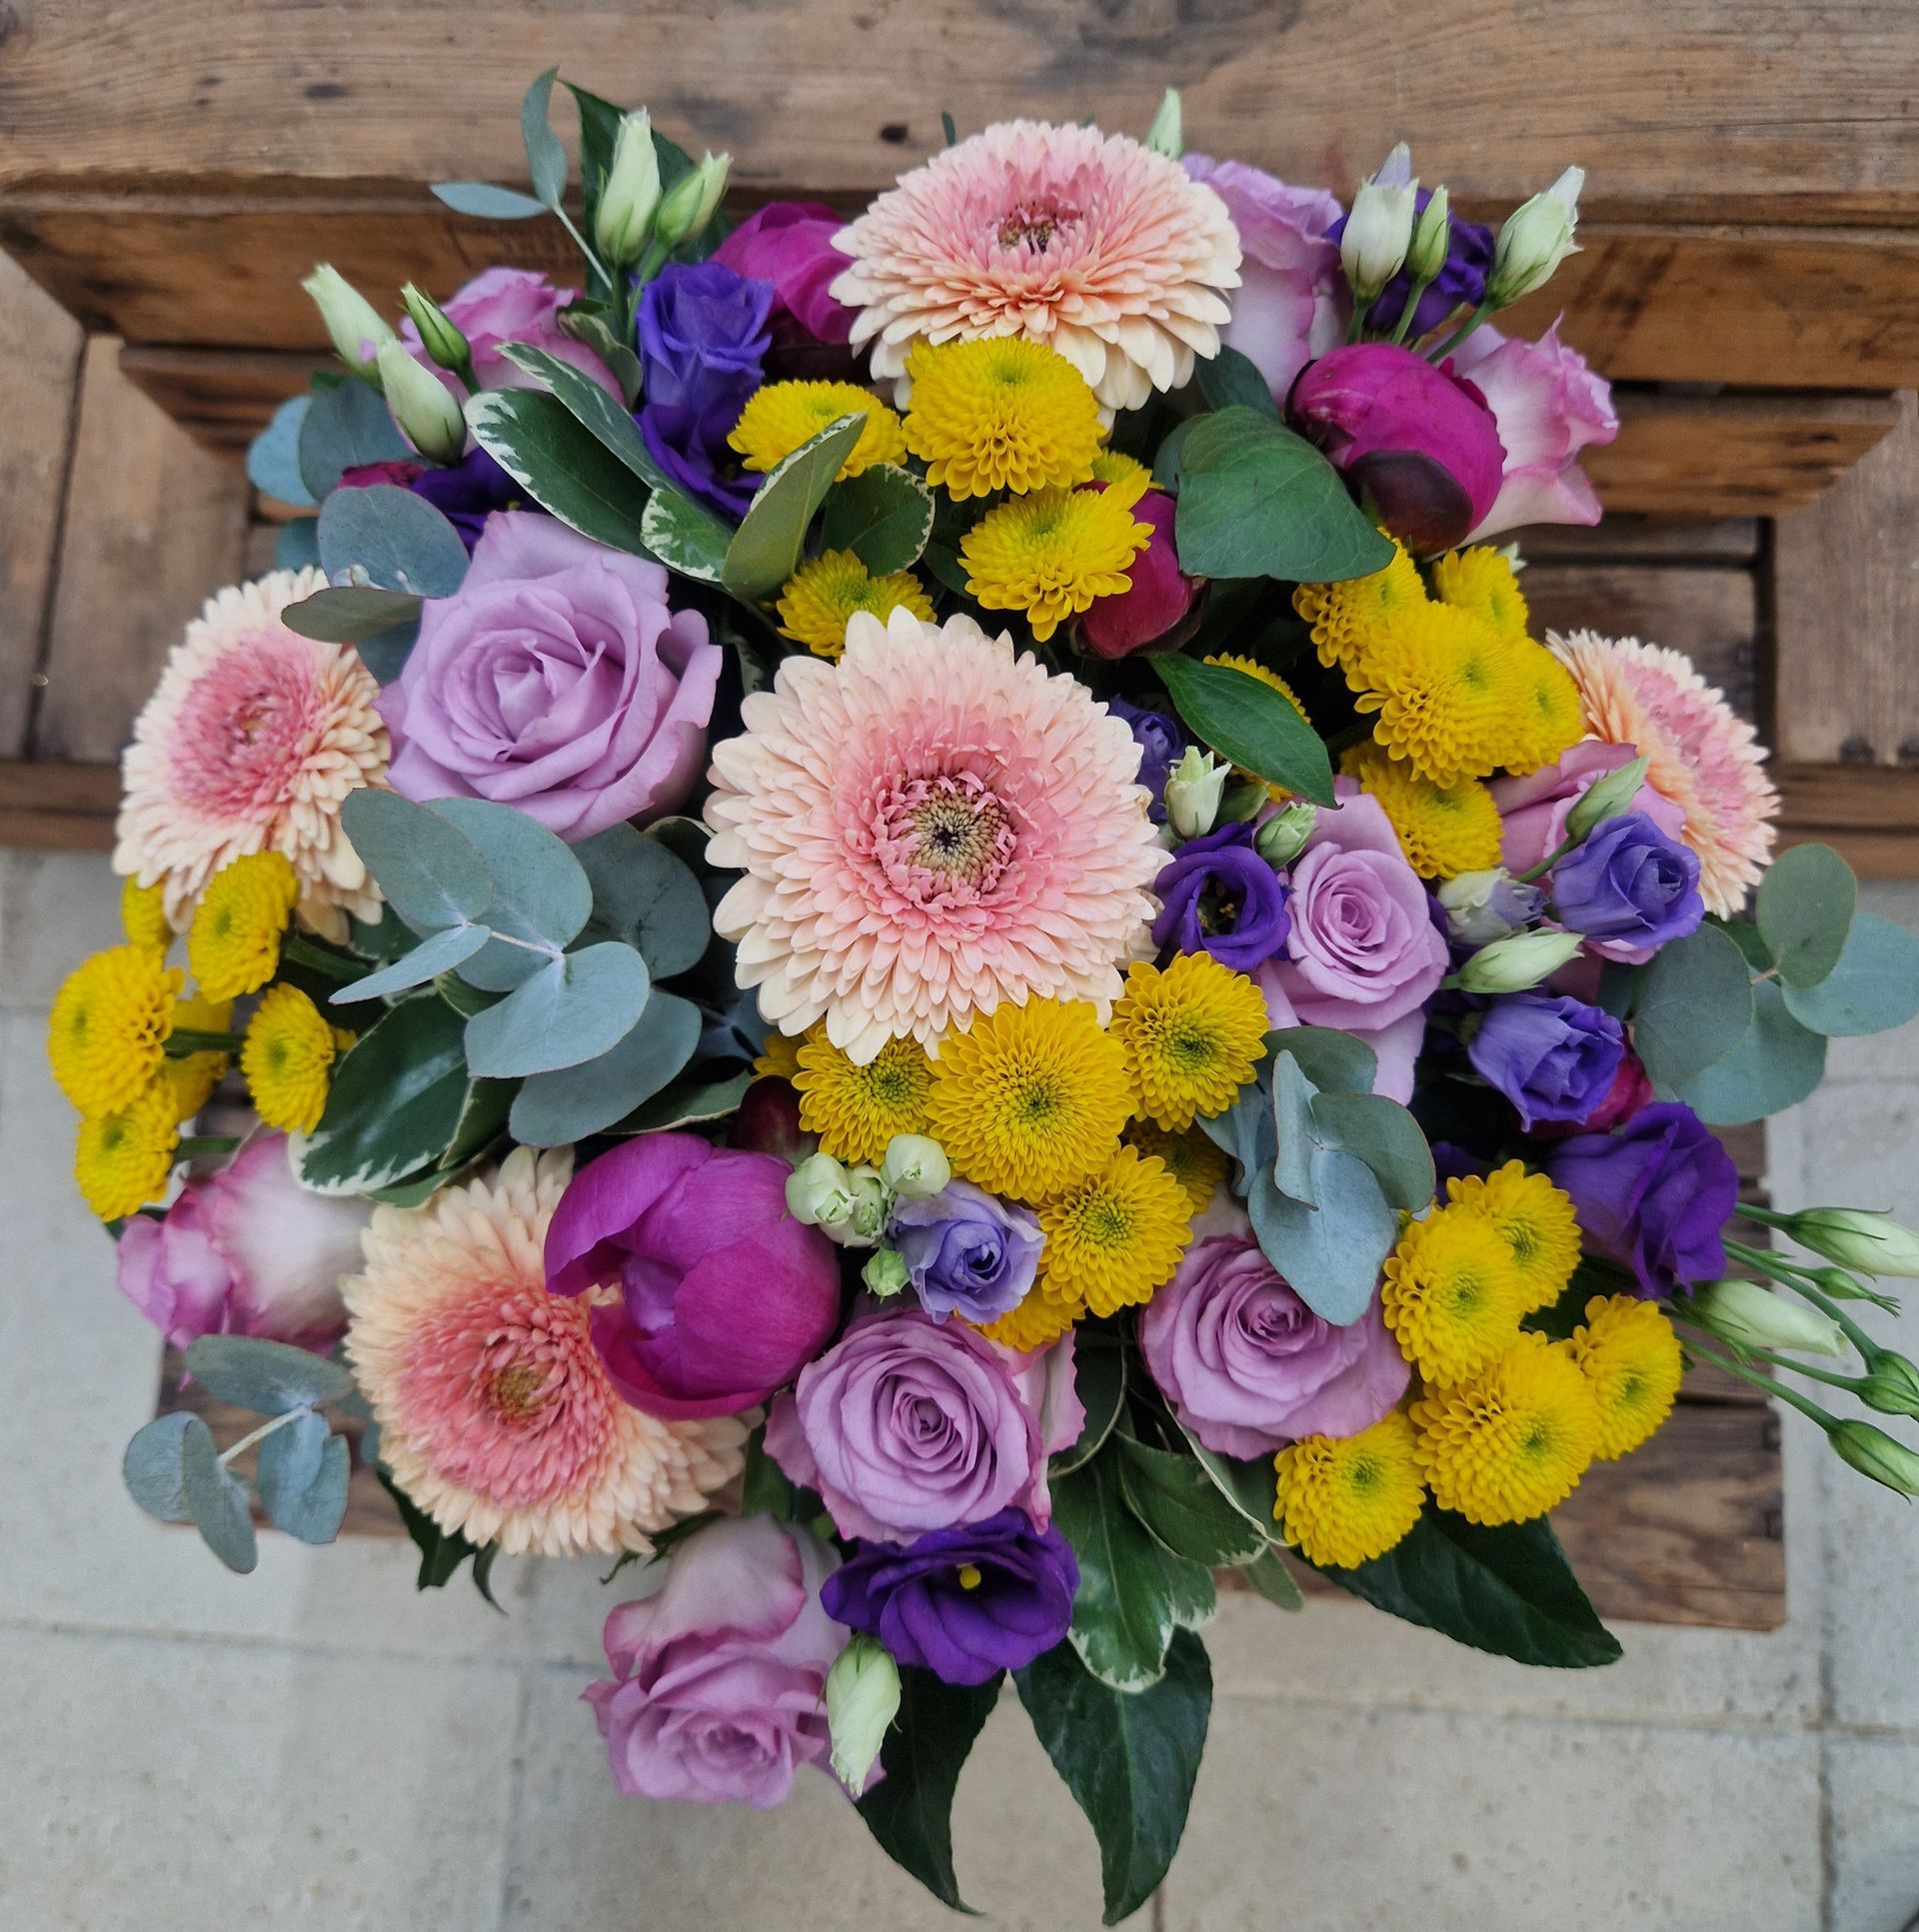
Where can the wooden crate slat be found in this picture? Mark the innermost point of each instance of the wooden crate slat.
(1627, 539)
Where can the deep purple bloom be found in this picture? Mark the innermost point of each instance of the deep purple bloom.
(1653, 1197)
(967, 1254)
(1218, 895)
(1460, 284)
(702, 337)
(965, 1604)
(1629, 882)
(1554, 1058)
(466, 492)
(1163, 742)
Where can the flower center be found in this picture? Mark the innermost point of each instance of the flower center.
(944, 840)
(1033, 224)
(970, 1577)
(245, 728)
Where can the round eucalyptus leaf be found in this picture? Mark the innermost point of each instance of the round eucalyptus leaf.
(541, 896)
(430, 874)
(1775, 1067)
(302, 1477)
(572, 1010)
(1691, 1006)
(570, 1103)
(393, 538)
(1803, 910)
(268, 1377)
(154, 1466)
(222, 1508)
(1873, 986)
(647, 896)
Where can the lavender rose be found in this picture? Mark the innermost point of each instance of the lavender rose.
(967, 1254)
(1629, 887)
(1654, 1196)
(1554, 1058)
(501, 305)
(557, 679)
(1218, 895)
(717, 1692)
(1247, 1366)
(963, 1604)
(907, 1424)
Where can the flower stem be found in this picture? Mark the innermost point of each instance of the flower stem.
(194, 1145)
(264, 1429)
(1773, 1357)
(1460, 335)
(1803, 1403)
(184, 1041)
(1414, 297)
(1545, 864)
(294, 950)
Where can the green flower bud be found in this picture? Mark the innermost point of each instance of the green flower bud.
(358, 329)
(1194, 791)
(428, 415)
(1750, 1316)
(820, 1191)
(1536, 238)
(1166, 136)
(1431, 239)
(869, 1210)
(1856, 1238)
(1283, 837)
(1874, 1453)
(885, 1273)
(441, 337)
(1606, 798)
(1512, 965)
(693, 199)
(1373, 243)
(916, 1167)
(1891, 1384)
(862, 1698)
(1241, 800)
(629, 200)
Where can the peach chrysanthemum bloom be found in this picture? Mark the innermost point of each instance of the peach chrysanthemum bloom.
(1702, 755)
(251, 742)
(926, 828)
(497, 1416)
(1085, 241)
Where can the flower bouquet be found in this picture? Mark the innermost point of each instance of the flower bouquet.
(914, 938)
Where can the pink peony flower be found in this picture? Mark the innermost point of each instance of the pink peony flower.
(501, 305)
(1548, 406)
(1158, 597)
(717, 1692)
(790, 244)
(1292, 302)
(245, 1251)
(251, 743)
(1087, 241)
(926, 828)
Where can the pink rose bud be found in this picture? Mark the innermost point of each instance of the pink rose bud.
(1159, 596)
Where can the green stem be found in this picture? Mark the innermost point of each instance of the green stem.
(294, 950)
(1852, 1331)
(1460, 335)
(1803, 1403)
(184, 1041)
(1418, 290)
(593, 261)
(196, 1146)
(264, 1429)
(1545, 864)
(1772, 1356)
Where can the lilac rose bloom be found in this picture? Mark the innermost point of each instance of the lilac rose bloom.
(1554, 1058)
(1163, 742)
(501, 305)
(964, 1603)
(966, 1252)
(1247, 1366)
(1654, 1196)
(1628, 887)
(717, 1692)
(557, 679)
(1217, 895)
(907, 1424)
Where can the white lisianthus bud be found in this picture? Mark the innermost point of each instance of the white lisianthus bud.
(693, 199)
(1373, 243)
(885, 1273)
(820, 1191)
(428, 415)
(1856, 1238)
(1486, 905)
(631, 195)
(1605, 798)
(1512, 965)
(1166, 136)
(1750, 1316)
(1283, 837)
(862, 1697)
(1536, 238)
(439, 336)
(1431, 238)
(916, 1166)
(1874, 1453)
(869, 1210)
(358, 329)
(1194, 790)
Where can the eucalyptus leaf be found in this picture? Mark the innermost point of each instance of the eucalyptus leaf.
(572, 1102)
(268, 1377)
(348, 614)
(766, 547)
(394, 539)
(302, 1478)
(572, 1010)
(488, 203)
(1333, 1061)
(273, 457)
(540, 894)
(1293, 1123)
(344, 428)
(1775, 1066)
(439, 954)
(385, 653)
(567, 470)
(1179, 1503)
(432, 874)
(546, 158)
(1331, 1254)
(1249, 723)
(685, 536)
(591, 408)
(1693, 1003)
(296, 547)
(1803, 908)
(646, 895)
(154, 1469)
(1385, 1136)
(1229, 377)
(884, 515)
(1245, 1131)
(1873, 986)
(222, 1508)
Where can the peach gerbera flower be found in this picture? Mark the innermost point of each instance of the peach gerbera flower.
(496, 1413)
(252, 739)
(1087, 240)
(1702, 755)
(927, 827)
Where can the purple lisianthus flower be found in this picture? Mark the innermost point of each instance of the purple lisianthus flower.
(1654, 1196)
(1460, 284)
(703, 339)
(1218, 895)
(964, 1603)
(1628, 883)
(1163, 742)
(966, 1253)
(1554, 1058)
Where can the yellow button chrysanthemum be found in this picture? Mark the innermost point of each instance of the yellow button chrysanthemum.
(1029, 1100)
(779, 1056)
(288, 1060)
(1549, 716)
(854, 1109)
(1450, 1294)
(1443, 687)
(109, 1024)
(232, 944)
(1193, 1158)
(1630, 1357)
(193, 1077)
(1534, 1219)
(1000, 414)
(143, 916)
(1482, 581)
(1115, 1237)
(1343, 1500)
(124, 1160)
(1445, 830)
(780, 417)
(1193, 1034)
(1125, 477)
(1346, 617)
(827, 590)
(1050, 554)
(1512, 1442)
(1038, 1320)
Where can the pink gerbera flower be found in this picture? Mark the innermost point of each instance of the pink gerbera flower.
(496, 1413)
(1087, 241)
(250, 744)
(926, 828)
(1701, 755)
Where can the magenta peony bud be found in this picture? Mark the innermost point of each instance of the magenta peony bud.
(1159, 596)
(1419, 441)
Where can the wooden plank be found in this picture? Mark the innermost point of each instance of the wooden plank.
(1641, 540)
(58, 808)
(156, 524)
(1869, 814)
(1846, 613)
(39, 382)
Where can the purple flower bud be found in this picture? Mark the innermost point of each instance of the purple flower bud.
(1161, 740)
(1553, 1058)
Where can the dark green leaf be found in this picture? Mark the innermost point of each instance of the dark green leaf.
(346, 615)
(764, 1489)
(442, 1551)
(587, 325)
(431, 957)
(302, 1478)
(1333, 1061)
(396, 539)
(1231, 378)
(588, 403)
(268, 1377)
(1251, 1487)
(1874, 985)
(537, 441)
(572, 1010)
(687, 1104)
(1691, 1006)
(1507, 1590)
(346, 426)
(884, 515)
(432, 874)
(646, 895)
(222, 1508)
(685, 536)
(1129, 1758)
(273, 457)
(489, 203)
(1331, 1254)
(154, 1468)
(1249, 723)
(570, 1103)
(766, 547)
(546, 158)
(1257, 500)
(1166, 466)
(910, 1811)
(1271, 1579)
(1803, 910)
(1100, 1381)
(1775, 1066)
(1179, 1503)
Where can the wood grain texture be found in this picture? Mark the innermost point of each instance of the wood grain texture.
(58, 808)
(1869, 814)
(1641, 540)
(155, 524)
